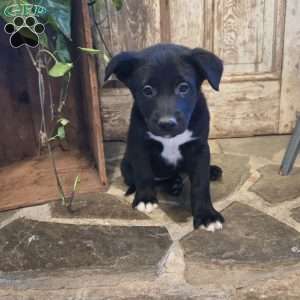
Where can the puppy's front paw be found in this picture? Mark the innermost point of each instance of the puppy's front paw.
(209, 220)
(146, 207)
(145, 204)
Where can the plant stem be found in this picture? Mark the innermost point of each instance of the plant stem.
(63, 95)
(42, 102)
(99, 30)
(48, 52)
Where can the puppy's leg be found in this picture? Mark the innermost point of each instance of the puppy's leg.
(145, 198)
(127, 173)
(143, 180)
(197, 161)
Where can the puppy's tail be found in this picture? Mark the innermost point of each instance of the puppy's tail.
(131, 190)
(215, 173)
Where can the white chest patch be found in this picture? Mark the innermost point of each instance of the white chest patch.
(171, 152)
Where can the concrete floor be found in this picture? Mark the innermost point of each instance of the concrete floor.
(106, 250)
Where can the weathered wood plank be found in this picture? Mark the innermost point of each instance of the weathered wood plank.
(17, 136)
(135, 26)
(165, 19)
(251, 109)
(290, 91)
(248, 35)
(187, 22)
(89, 88)
(234, 17)
(116, 107)
(244, 109)
(32, 182)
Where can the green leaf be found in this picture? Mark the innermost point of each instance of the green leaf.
(118, 4)
(63, 121)
(61, 133)
(90, 50)
(59, 15)
(59, 69)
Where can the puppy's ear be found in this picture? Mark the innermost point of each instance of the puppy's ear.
(208, 65)
(122, 65)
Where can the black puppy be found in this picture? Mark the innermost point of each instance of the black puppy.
(169, 124)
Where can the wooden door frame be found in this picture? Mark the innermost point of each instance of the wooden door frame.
(290, 76)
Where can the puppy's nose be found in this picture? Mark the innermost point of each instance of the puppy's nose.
(167, 123)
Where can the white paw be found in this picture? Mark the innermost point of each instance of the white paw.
(141, 207)
(146, 207)
(212, 227)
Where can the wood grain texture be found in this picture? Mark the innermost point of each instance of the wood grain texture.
(234, 18)
(252, 109)
(248, 35)
(290, 87)
(17, 135)
(116, 108)
(32, 182)
(187, 22)
(249, 109)
(135, 26)
(89, 88)
(165, 19)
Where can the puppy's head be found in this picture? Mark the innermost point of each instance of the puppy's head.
(164, 80)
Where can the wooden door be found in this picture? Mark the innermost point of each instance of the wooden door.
(249, 36)
(258, 40)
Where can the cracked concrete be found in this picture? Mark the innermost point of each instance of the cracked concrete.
(110, 251)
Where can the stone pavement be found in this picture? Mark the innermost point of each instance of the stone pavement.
(106, 250)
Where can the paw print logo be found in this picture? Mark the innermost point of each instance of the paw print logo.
(24, 31)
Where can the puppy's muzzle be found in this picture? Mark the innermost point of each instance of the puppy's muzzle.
(167, 123)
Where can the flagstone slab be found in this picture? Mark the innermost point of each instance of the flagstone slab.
(159, 297)
(6, 215)
(97, 205)
(275, 297)
(259, 146)
(27, 245)
(295, 213)
(236, 170)
(250, 244)
(275, 188)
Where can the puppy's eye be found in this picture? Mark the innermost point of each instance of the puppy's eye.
(182, 88)
(148, 91)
